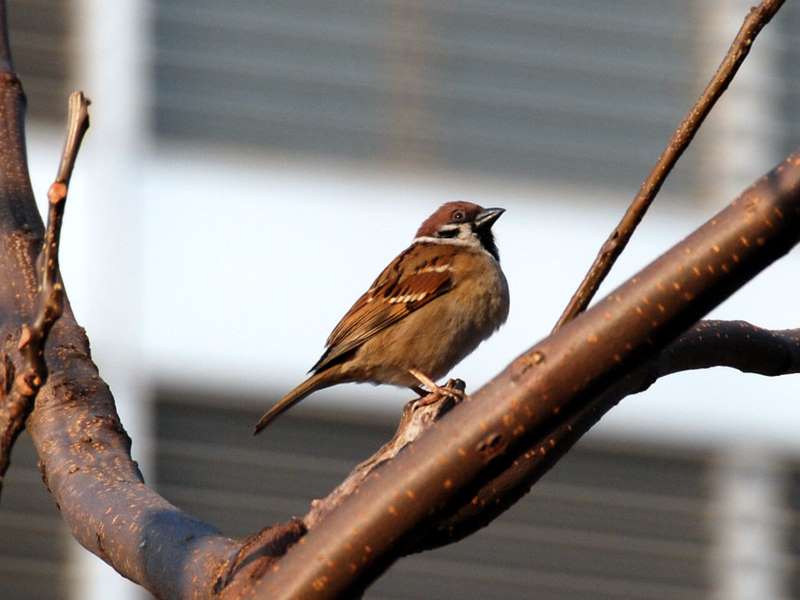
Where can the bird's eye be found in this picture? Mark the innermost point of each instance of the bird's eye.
(458, 216)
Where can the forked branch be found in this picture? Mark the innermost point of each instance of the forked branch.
(733, 344)
(23, 383)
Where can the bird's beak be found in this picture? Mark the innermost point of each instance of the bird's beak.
(487, 217)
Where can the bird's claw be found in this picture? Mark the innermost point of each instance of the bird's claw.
(453, 389)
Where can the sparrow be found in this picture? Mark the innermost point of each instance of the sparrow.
(428, 309)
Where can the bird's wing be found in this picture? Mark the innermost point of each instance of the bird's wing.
(412, 280)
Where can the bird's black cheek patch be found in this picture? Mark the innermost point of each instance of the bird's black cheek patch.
(447, 233)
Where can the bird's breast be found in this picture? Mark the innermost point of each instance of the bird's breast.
(440, 334)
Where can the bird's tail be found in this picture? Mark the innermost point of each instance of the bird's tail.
(316, 382)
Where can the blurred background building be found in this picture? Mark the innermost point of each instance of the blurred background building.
(253, 164)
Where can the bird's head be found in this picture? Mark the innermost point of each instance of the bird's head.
(465, 222)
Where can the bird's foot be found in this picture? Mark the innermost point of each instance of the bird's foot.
(454, 389)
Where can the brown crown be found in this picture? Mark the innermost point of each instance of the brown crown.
(444, 214)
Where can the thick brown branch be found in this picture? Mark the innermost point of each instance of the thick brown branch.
(549, 386)
(755, 21)
(418, 416)
(16, 243)
(84, 452)
(734, 344)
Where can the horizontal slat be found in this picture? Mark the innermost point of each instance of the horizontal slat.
(285, 78)
(505, 87)
(673, 499)
(787, 26)
(435, 579)
(40, 31)
(33, 538)
(269, 37)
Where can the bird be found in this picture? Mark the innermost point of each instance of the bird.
(427, 310)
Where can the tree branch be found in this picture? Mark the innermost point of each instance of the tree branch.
(84, 452)
(16, 242)
(20, 391)
(755, 21)
(551, 385)
(734, 344)
(418, 416)
(260, 549)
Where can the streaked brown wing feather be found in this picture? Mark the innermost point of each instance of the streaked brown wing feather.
(390, 298)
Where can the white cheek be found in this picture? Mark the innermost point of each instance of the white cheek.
(467, 235)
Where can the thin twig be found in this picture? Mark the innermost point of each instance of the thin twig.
(50, 294)
(77, 125)
(755, 21)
